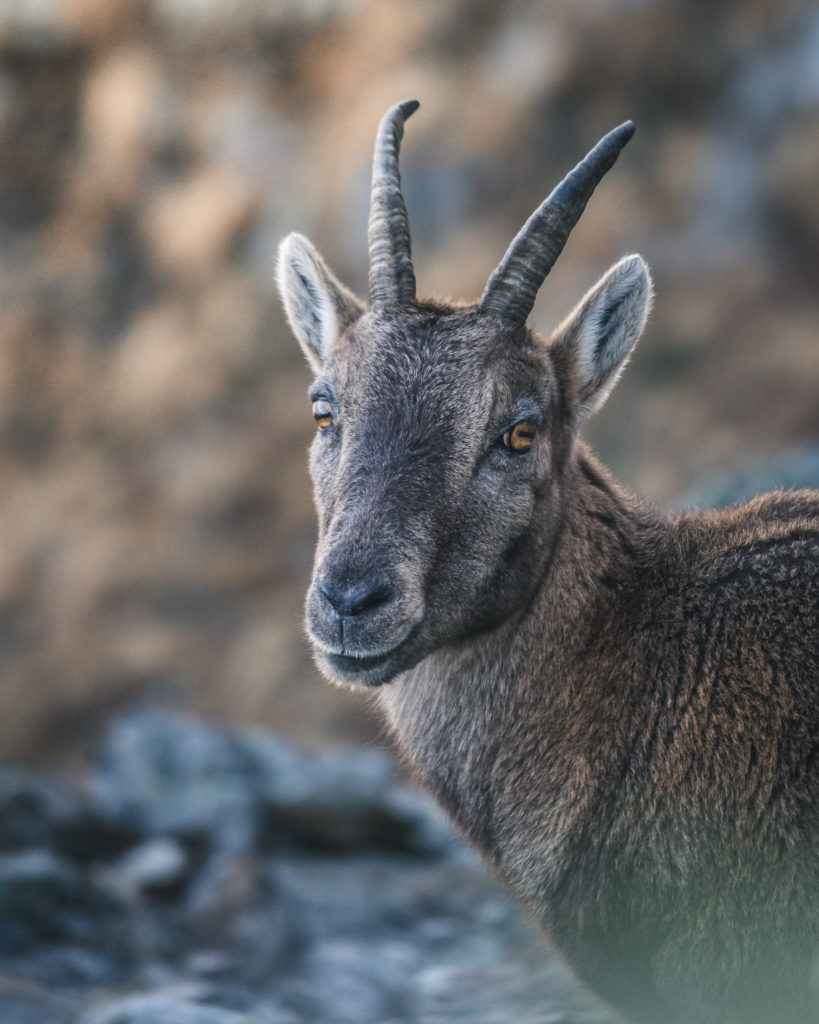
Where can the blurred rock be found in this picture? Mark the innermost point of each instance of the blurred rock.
(158, 866)
(209, 16)
(42, 898)
(119, 103)
(191, 225)
(343, 801)
(32, 811)
(39, 25)
(159, 1009)
(227, 898)
(791, 187)
(172, 776)
(790, 470)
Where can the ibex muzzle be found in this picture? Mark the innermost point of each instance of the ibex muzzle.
(621, 709)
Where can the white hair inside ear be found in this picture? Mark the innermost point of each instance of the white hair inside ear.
(603, 329)
(319, 307)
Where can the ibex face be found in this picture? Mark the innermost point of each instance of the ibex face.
(425, 505)
(441, 430)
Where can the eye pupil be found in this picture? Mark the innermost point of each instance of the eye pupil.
(322, 414)
(521, 437)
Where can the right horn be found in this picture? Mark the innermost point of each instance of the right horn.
(511, 290)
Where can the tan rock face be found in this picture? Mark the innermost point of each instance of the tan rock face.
(191, 225)
(118, 106)
(156, 517)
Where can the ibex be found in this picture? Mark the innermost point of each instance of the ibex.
(620, 708)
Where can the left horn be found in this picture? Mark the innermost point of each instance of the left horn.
(511, 290)
(392, 278)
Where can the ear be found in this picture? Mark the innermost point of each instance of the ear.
(604, 328)
(318, 306)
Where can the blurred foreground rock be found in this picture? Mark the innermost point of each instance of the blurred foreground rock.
(201, 876)
(792, 469)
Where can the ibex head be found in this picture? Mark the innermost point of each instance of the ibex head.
(444, 431)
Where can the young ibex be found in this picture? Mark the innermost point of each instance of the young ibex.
(620, 708)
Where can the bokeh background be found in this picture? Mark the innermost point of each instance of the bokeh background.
(156, 527)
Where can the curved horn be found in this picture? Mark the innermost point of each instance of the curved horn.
(392, 278)
(511, 290)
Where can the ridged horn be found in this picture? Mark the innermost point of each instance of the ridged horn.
(512, 288)
(392, 278)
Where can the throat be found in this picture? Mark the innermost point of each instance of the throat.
(450, 716)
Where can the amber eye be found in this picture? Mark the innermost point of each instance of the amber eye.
(323, 414)
(521, 437)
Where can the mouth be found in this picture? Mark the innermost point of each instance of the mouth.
(366, 669)
(354, 664)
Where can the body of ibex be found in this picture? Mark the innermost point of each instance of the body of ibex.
(620, 708)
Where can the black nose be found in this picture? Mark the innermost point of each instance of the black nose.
(355, 597)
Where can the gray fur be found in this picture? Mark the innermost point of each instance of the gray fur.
(619, 708)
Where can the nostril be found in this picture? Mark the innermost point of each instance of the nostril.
(330, 592)
(357, 597)
(368, 596)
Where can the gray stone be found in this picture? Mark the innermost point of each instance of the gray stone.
(342, 800)
(44, 898)
(335, 894)
(172, 776)
(791, 469)
(156, 866)
(27, 811)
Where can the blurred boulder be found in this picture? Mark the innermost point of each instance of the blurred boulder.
(792, 469)
(165, 1009)
(191, 225)
(172, 776)
(196, 874)
(44, 899)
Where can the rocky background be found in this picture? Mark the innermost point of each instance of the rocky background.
(198, 876)
(155, 509)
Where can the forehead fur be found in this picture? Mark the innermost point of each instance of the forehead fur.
(407, 347)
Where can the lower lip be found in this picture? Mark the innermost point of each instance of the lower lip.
(366, 669)
(355, 666)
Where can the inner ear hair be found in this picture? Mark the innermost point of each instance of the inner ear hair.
(319, 307)
(603, 329)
